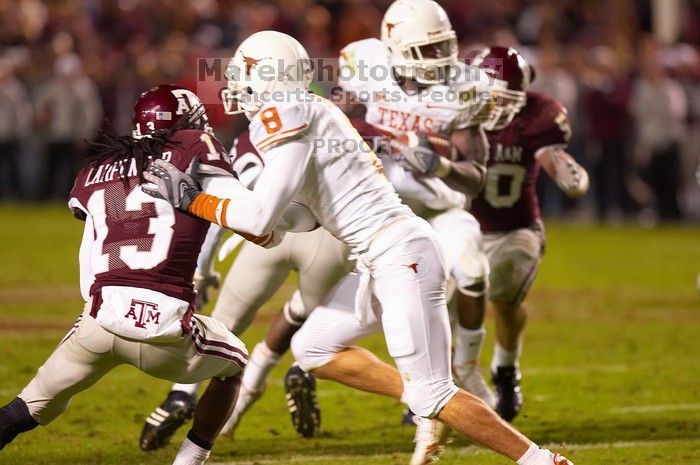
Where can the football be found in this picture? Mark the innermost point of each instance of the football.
(436, 143)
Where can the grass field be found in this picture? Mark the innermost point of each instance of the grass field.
(611, 363)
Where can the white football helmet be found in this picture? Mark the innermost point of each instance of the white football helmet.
(265, 65)
(420, 38)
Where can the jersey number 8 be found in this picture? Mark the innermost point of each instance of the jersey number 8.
(271, 120)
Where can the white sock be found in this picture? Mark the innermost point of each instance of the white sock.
(190, 389)
(260, 363)
(468, 344)
(503, 357)
(191, 454)
(536, 456)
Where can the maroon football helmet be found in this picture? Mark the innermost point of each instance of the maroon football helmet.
(513, 77)
(162, 107)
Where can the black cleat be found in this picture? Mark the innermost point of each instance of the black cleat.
(300, 388)
(506, 380)
(161, 424)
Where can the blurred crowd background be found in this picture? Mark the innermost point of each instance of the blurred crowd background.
(627, 70)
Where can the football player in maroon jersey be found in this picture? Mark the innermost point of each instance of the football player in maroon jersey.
(137, 258)
(530, 130)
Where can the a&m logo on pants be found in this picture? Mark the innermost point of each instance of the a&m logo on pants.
(143, 313)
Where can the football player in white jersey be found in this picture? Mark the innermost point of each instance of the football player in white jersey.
(256, 274)
(411, 83)
(399, 259)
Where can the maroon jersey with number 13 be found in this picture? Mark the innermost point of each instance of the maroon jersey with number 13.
(138, 240)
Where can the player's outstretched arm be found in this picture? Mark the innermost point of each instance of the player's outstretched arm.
(225, 201)
(262, 209)
(571, 177)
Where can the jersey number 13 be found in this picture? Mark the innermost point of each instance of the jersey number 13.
(160, 229)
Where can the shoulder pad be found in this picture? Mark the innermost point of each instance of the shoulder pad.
(357, 60)
(190, 143)
(548, 120)
(276, 123)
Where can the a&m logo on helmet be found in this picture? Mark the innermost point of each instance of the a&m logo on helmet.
(186, 101)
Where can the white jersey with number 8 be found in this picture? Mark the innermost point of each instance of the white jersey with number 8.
(344, 185)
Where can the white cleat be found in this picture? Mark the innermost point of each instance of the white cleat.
(469, 378)
(430, 441)
(246, 398)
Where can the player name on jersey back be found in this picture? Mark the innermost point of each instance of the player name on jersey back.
(120, 169)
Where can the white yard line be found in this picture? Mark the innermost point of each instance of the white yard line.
(655, 408)
(469, 450)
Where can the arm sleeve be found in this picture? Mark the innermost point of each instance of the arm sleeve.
(87, 275)
(256, 211)
(205, 260)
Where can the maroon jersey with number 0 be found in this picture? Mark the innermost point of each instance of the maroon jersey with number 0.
(509, 199)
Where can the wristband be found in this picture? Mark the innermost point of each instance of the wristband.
(444, 167)
(210, 208)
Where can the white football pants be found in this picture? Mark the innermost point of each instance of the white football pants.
(257, 273)
(407, 286)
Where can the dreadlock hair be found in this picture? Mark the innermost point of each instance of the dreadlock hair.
(108, 148)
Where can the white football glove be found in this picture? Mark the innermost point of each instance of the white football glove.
(167, 182)
(202, 283)
(571, 177)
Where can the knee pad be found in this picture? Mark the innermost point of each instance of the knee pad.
(427, 398)
(472, 273)
(515, 266)
(294, 310)
(307, 354)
